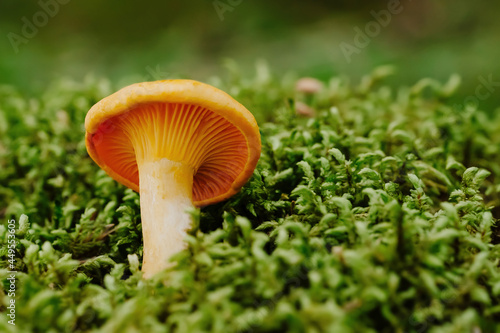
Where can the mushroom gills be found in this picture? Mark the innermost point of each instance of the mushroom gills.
(210, 145)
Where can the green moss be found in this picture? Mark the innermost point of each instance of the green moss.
(377, 215)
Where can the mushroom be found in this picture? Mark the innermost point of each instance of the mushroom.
(308, 85)
(302, 109)
(180, 144)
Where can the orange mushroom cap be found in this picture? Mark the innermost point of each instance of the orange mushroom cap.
(182, 120)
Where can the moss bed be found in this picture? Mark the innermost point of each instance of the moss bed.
(379, 213)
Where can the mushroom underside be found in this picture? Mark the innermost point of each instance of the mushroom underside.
(210, 145)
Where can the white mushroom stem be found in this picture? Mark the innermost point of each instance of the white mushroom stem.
(166, 196)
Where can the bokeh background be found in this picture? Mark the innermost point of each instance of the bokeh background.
(130, 41)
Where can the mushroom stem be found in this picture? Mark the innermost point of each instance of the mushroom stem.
(166, 195)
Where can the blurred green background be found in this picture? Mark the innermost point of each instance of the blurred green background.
(129, 41)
